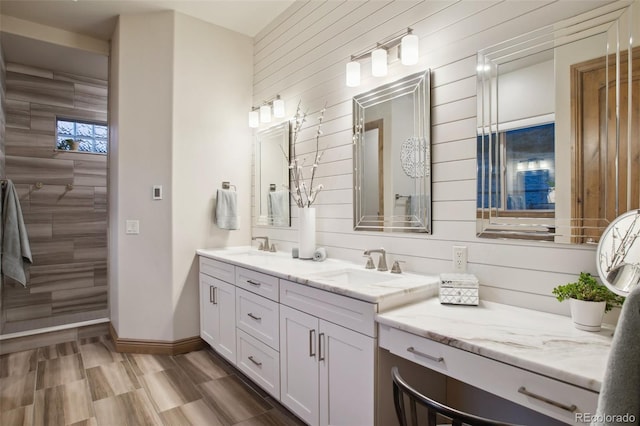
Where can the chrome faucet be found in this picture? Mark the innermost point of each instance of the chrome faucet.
(263, 246)
(382, 263)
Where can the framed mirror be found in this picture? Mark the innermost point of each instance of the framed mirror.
(271, 196)
(392, 157)
(558, 123)
(618, 254)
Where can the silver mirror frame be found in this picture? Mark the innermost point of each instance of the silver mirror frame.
(417, 85)
(275, 140)
(562, 227)
(618, 254)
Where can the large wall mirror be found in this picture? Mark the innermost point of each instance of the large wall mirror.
(392, 157)
(558, 148)
(271, 195)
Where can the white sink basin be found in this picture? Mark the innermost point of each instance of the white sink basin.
(355, 276)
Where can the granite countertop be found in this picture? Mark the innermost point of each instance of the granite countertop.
(540, 342)
(331, 275)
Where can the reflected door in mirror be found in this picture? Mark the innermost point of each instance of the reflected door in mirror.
(373, 195)
(606, 167)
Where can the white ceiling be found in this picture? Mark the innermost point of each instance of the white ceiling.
(97, 19)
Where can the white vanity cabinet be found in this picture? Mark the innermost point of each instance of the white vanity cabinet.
(218, 307)
(327, 369)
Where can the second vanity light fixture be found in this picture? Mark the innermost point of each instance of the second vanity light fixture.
(408, 45)
(262, 114)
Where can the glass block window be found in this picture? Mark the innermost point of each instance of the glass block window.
(91, 137)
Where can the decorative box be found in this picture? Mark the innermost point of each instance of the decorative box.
(459, 289)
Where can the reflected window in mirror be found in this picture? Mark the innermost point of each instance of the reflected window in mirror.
(271, 177)
(527, 180)
(558, 122)
(392, 157)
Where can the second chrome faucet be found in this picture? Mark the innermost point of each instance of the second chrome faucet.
(382, 263)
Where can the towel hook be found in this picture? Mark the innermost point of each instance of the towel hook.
(39, 185)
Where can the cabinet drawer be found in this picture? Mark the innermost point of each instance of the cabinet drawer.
(217, 269)
(257, 282)
(259, 317)
(540, 393)
(259, 362)
(345, 311)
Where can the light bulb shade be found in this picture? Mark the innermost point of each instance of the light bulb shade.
(278, 108)
(353, 74)
(409, 49)
(254, 119)
(379, 63)
(265, 114)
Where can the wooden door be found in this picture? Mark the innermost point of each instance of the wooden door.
(601, 161)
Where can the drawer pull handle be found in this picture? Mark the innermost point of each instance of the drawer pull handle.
(312, 340)
(258, 363)
(213, 294)
(422, 354)
(254, 317)
(254, 283)
(570, 408)
(321, 352)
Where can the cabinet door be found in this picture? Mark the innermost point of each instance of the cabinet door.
(225, 298)
(209, 321)
(217, 315)
(299, 364)
(347, 366)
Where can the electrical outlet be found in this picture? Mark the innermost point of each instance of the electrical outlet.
(459, 259)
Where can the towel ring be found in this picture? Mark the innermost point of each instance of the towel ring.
(227, 185)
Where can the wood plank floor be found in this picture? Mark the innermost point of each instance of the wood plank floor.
(87, 383)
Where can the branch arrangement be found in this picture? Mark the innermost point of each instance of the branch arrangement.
(304, 195)
(621, 244)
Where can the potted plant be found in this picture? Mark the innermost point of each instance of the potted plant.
(68, 145)
(589, 301)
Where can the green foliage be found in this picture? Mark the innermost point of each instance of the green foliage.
(64, 145)
(587, 288)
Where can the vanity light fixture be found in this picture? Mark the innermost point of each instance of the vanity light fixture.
(263, 113)
(254, 118)
(379, 63)
(407, 44)
(409, 49)
(353, 74)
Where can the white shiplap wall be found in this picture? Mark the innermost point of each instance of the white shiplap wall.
(302, 56)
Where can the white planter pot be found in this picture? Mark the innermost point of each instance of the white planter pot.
(587, 315)
(307, 232)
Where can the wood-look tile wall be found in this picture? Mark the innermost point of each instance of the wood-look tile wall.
(67, 225)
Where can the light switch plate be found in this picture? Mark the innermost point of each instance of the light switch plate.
(132, 227)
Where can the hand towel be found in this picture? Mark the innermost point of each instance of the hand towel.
(278, 206)
(619, 394)
(227, 210)
(15, 250)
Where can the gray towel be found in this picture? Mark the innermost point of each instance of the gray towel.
(15, 251)
(278, 206)
(620, 393)
(227, 209)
